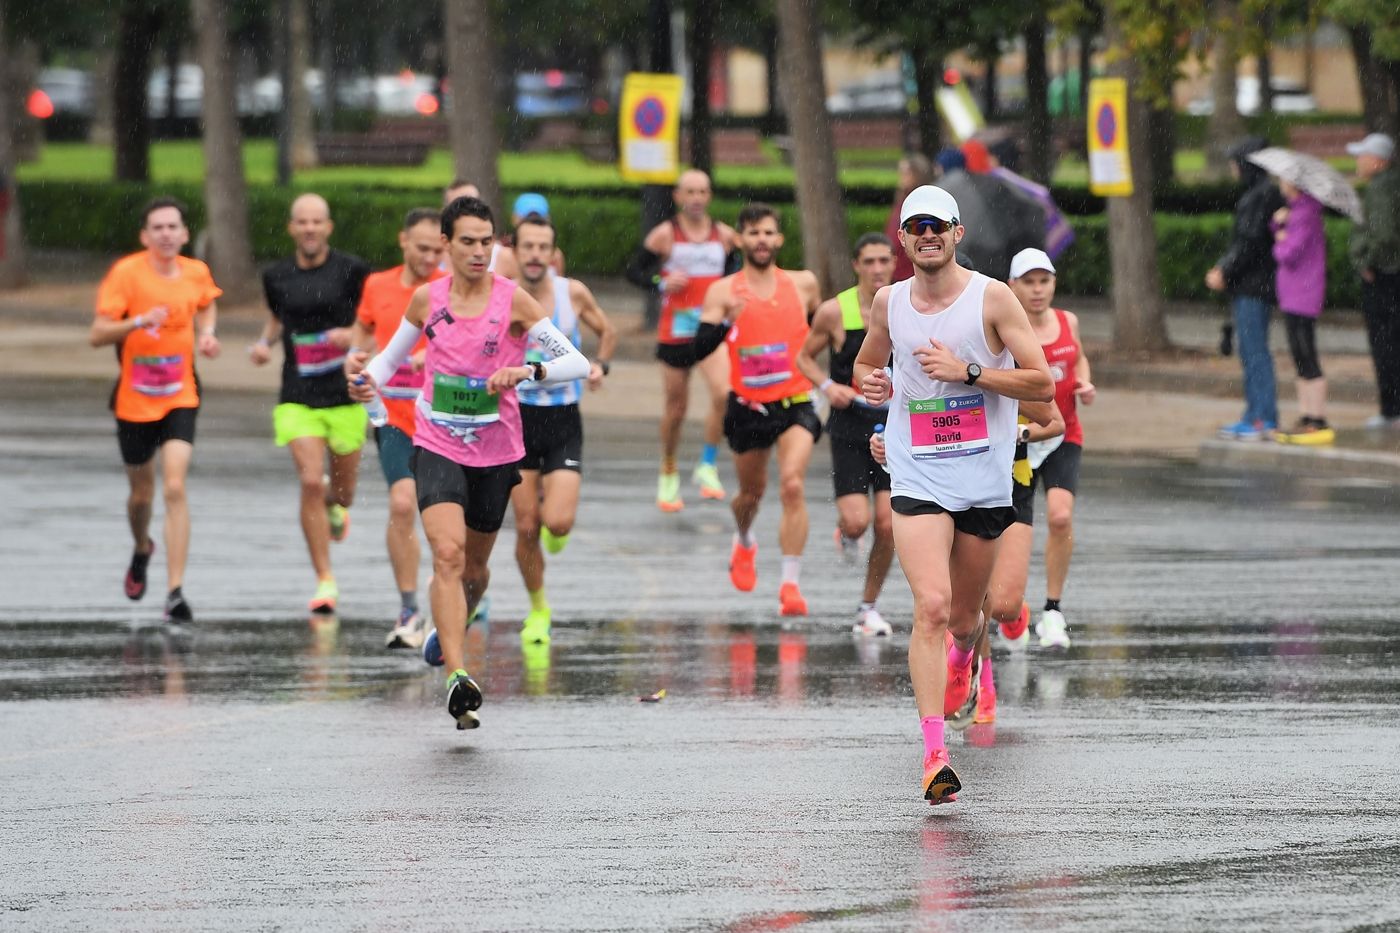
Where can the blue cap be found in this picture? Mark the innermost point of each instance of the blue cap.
(530, 203)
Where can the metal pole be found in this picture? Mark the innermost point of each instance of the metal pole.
(656, 199)
(284, 116)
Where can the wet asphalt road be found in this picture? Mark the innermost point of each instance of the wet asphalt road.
(1218, 749)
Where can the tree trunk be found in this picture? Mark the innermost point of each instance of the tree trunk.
(775, 121)
(989, 83)
(472, 115)
(1161, 126)
(928, 78)
(825, 248)
(137, 25)
(303, 120)
(230, 251)
(172, 72)
(103, 72)
(1086, 67)
(1225, 126)
(329, 58)
(1375, 91)
(1265, 64)
(1139, 323)
(1038, 128)
(700, 43)
(12, 258)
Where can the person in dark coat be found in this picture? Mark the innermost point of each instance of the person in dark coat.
(1246, 273)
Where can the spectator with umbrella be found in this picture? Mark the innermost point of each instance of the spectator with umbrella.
(1300, 252)
(1001, 219)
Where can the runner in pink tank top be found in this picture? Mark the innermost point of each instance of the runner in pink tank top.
(467, 434)
(457, 418)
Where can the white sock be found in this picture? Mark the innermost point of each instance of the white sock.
(792, 568)
(744, 538)
(866, 607)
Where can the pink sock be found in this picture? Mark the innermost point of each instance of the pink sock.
(933, 733)
(959, 657)
(984, 681)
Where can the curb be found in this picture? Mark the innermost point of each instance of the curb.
(1324, 462)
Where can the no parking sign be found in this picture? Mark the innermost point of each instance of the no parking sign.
(649, 126)
(1110, 172)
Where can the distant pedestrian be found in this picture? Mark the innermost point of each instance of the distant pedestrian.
(1375, 252)
(914, 170)
(1246, 274)
(1300, 250)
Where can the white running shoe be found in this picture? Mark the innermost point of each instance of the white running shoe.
(410, 631)
(870, 622)
(849, 548)
(1053, 631)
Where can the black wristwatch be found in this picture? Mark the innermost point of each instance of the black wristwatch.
(974, 372)
(605, 366)
(1023, 434)
(538, 369)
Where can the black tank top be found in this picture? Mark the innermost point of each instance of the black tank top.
(856, 423)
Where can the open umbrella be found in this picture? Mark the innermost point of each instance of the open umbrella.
(1312, 175)
(1058, 233)
(1001, 220)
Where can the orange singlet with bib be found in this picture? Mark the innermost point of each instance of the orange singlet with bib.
(768, 393)
(702, 263)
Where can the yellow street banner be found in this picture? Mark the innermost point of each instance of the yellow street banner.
(649, 128)
(1110, 172)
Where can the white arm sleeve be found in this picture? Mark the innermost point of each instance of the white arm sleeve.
(383, 366)
(565, 361)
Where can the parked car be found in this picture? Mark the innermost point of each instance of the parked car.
(1289, 97)
(881, 92)
(68, 89)
(551, 93)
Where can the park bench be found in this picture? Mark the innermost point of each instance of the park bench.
(369, 149)
(1324, 140)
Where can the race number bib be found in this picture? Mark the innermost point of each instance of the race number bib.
(316, 355)
(685, 323)
(463, 402)
(158, 376)
(948, 427)
(764, 365)
(405, 383)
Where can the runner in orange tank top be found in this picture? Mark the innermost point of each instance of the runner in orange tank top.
(157, 308)
(761, 313)
(691, 248)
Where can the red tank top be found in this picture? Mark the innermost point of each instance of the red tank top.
(1062, 354)
(702, 261)
(765, 340)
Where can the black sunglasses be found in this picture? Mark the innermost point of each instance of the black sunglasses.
(918, 226)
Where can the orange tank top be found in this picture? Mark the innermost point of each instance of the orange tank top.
(765, 340)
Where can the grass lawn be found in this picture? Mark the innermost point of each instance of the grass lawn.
(183, 161)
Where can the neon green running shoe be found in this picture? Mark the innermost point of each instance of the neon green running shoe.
(326, 595)
(552, 543)
(535, 629)
(668, 492)
(339, 517)
(707, 478)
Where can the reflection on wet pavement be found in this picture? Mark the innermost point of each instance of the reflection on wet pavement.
(1216, 750)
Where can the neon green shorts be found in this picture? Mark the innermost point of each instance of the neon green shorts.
(342, 426)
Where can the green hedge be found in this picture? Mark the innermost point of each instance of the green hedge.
(598, 234)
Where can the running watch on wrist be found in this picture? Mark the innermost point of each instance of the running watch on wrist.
(605, 366)
(974, 372)
(537, 370)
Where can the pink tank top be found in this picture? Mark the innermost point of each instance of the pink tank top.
(456, 417)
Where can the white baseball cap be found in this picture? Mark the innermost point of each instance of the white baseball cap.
(1029, 260)
(1377, 144)
(929, 201)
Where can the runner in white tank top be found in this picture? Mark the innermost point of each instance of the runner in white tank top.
(964, 353)
(546, 500)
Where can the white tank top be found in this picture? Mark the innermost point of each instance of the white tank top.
(566, 319)
(947, 442)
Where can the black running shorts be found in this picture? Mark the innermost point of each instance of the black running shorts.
(749, 429)
(482, 492)
(675, 355)
(1060, 470)
(853, 470)
(553, 438)
(986, 523)
(139, 440)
